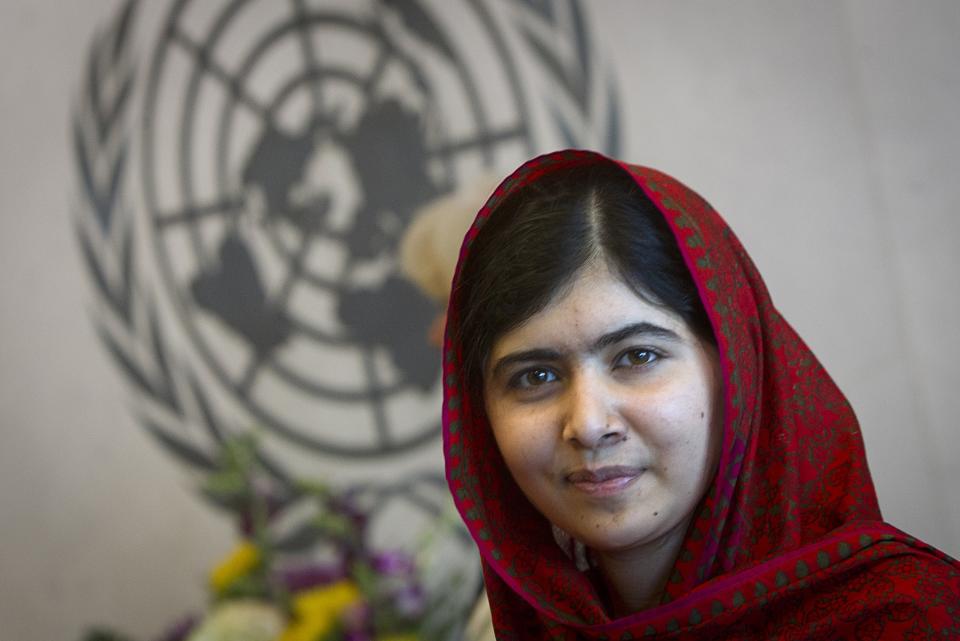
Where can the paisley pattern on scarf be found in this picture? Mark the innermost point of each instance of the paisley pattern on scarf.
(788, 543)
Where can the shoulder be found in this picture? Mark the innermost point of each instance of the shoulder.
(871, 587)
(898, 588)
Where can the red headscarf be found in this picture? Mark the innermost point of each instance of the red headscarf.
(788, 542)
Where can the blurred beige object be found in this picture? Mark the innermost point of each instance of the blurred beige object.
(431, 244)
(480, 625)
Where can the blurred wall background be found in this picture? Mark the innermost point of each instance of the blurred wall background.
(825, 131)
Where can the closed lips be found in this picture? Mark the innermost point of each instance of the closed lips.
(603, 474)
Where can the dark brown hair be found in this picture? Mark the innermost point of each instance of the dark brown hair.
(539, 237)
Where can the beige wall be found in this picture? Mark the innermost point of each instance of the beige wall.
(826, 132)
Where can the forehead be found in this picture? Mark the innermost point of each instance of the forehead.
(595, 302)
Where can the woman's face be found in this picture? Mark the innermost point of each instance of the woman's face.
(606, 410)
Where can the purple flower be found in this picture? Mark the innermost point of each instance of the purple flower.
(393, 563)
(357, 621)
(410, 600)
(309, 576)
(180, 630)
(346, 505)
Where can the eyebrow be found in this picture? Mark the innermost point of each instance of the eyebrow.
(634, 329)
(604, 341)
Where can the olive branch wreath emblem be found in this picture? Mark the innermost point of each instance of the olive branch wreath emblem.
(128, 323)
(126, 317)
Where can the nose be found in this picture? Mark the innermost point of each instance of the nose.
(591, 420)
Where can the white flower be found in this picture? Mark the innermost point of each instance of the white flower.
(245, 620)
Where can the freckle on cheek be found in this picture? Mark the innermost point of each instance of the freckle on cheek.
(702, 414)
(656, 514)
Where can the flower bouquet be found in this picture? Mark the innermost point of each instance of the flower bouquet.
(304, 571)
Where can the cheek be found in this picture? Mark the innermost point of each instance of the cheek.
(698, 449)
(528, 455)
(680, 426)
(522, 438)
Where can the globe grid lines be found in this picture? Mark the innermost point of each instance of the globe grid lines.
(374, 392)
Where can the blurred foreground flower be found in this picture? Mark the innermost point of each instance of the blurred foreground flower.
(303, 569)
(241, 620)
(244, 558)
(316, 612)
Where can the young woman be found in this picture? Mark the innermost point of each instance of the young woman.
(642, 447)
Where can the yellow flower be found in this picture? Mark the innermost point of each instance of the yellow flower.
(240, 562)
(409, 636)
(316, 611)
(307, 630)
(331, 598)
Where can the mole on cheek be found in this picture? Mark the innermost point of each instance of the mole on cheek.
(702, 414)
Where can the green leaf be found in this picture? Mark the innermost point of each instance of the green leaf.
(366, 579)
(314, 488)
(301, 539)
(252, 586)
(335, 526)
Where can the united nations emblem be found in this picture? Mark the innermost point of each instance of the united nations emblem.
(244, 187)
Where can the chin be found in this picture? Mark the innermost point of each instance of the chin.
(614, 537)
(620, 533)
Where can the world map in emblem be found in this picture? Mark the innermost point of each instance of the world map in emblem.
(314, 173)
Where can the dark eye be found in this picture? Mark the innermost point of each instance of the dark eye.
(534, 377)
(636, 358)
